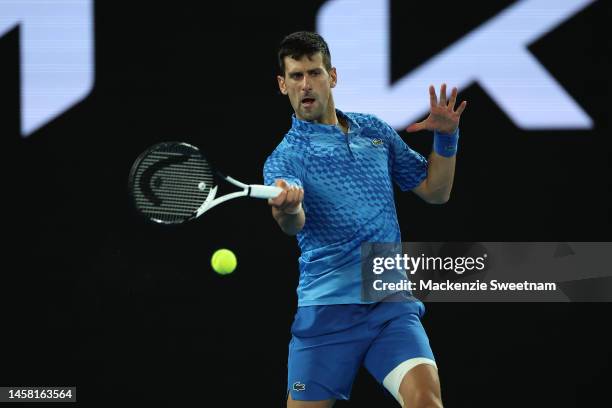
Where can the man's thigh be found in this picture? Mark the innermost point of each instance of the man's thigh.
(400, 346)
(327, 347)
(323, 368)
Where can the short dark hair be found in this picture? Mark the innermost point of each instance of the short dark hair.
(301, 43)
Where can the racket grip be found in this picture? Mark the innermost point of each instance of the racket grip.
(261, 191)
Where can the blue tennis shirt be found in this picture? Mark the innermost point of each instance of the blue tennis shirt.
(348, 198)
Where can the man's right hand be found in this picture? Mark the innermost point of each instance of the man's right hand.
(290, 200)
(287, 208)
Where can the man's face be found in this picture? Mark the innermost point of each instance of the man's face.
(308, 85)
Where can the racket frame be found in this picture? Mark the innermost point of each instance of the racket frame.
(248, 190)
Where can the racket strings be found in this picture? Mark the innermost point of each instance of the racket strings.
(171, 183)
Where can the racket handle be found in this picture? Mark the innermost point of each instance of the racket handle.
(261, 191)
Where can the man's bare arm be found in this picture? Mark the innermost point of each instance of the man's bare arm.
(436, 188)
(443, 119)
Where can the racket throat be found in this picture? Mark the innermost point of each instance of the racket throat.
(208, 203)
(211, 201)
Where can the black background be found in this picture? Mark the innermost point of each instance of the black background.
(126, 311)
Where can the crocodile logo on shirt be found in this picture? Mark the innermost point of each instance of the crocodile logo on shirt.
(298, 386)
(377, 142)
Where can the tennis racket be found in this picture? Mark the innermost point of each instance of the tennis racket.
(172, 183)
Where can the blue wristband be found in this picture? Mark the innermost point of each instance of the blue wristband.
(445, 144)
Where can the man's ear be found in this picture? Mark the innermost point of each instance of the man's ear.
(334, 77)
(281, 84)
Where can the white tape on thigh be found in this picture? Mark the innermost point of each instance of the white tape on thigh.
(393, 380)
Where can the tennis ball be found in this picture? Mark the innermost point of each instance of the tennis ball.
(223, 261)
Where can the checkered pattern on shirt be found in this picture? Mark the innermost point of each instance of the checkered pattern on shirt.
(348, 187)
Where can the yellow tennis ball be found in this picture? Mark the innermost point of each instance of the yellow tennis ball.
(223, 261)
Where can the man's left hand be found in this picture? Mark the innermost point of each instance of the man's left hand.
(443, 117)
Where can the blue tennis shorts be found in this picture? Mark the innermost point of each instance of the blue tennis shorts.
(329, 343)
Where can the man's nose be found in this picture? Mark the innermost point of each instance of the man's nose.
(306, 84)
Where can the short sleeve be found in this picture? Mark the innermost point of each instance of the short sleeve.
(286, 163)
(408, 167)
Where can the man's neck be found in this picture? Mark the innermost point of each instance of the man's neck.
(342, 124)
(333, 119)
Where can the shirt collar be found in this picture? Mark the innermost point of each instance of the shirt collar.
(312, 127)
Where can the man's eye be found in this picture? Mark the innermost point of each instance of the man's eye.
(296, 76)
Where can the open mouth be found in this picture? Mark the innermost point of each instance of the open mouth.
(308, 102)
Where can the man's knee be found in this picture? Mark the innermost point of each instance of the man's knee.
(420, 388)
(422, 399)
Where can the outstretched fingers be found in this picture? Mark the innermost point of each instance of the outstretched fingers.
(443, 95)
(433, 99)
(461, 108)
(453, 99)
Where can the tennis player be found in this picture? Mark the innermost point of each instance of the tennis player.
(337, 171)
